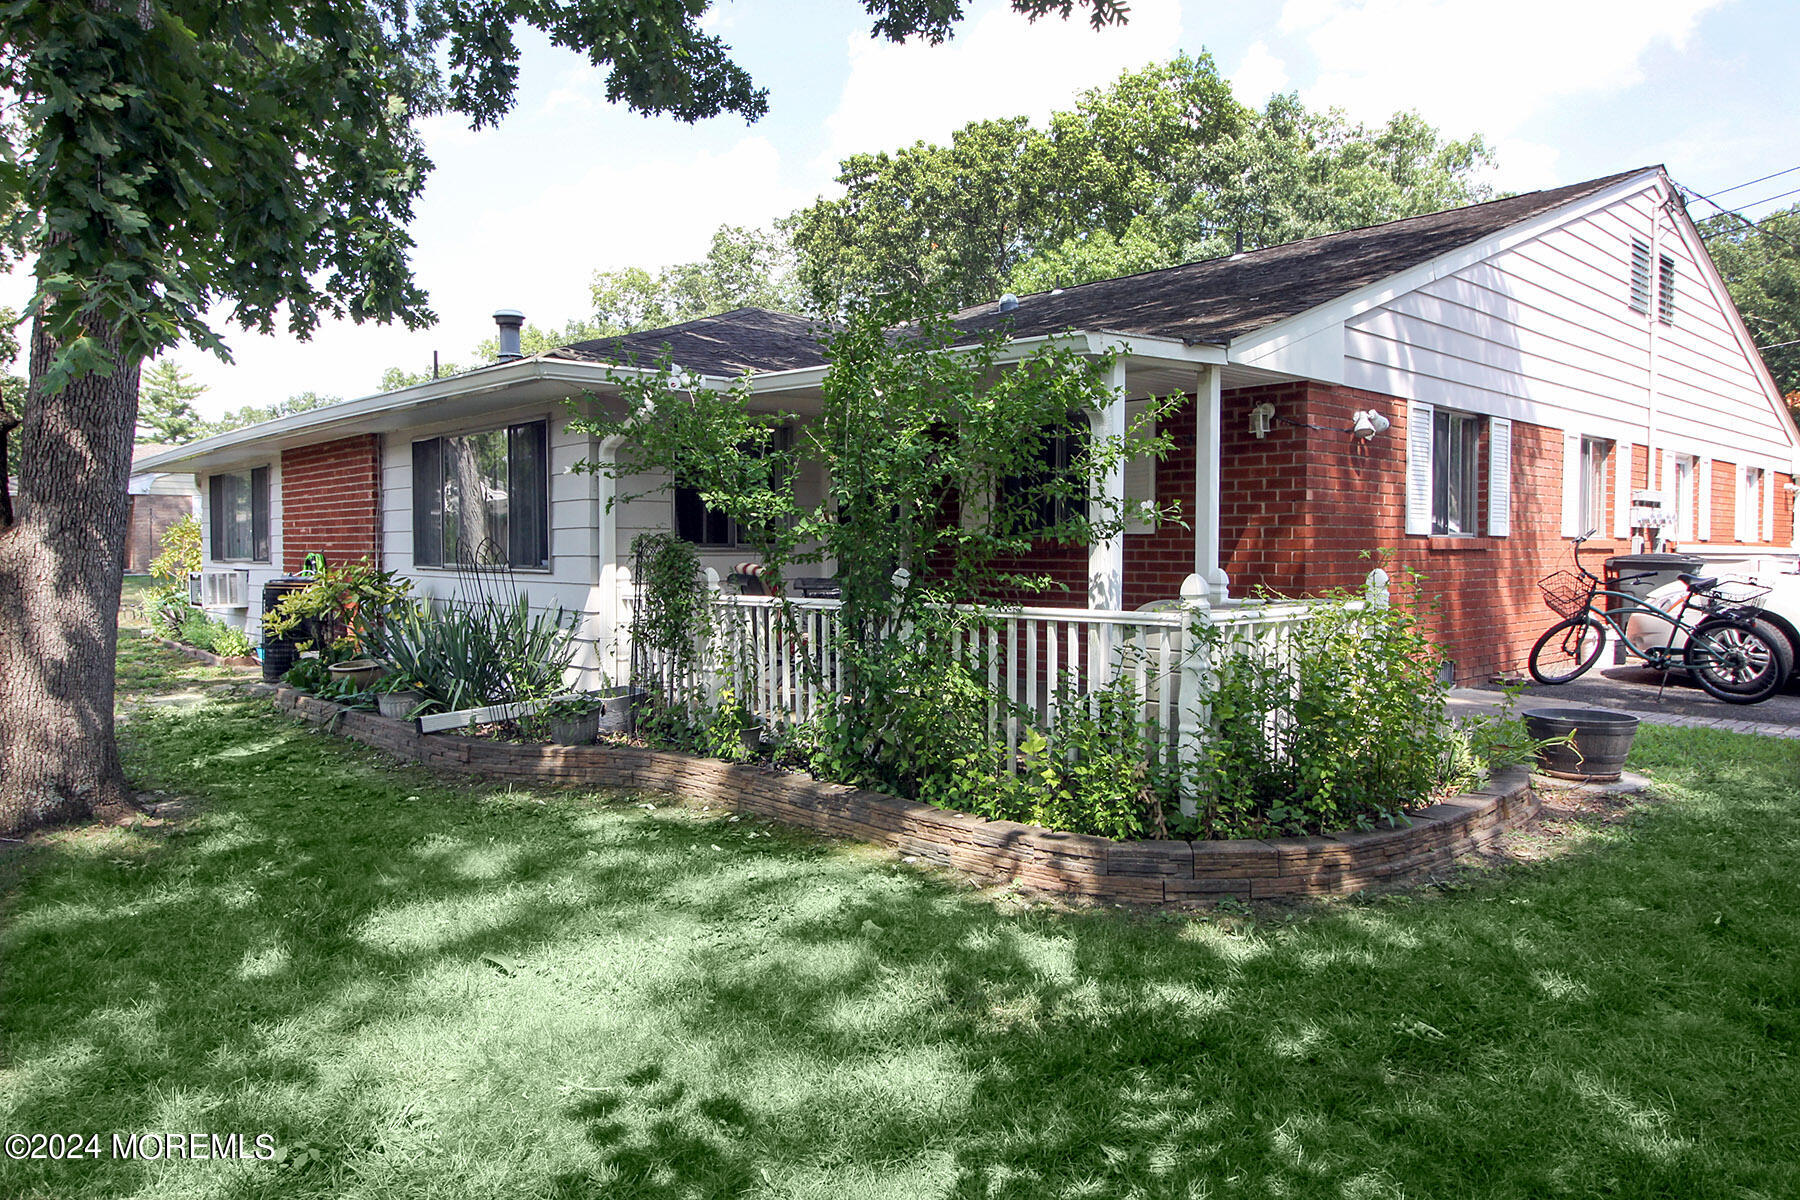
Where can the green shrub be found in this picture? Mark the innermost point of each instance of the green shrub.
(1345, 729)
(198, 630)
(180, 555)
(231, 643)
(166, 608)
(309, 675)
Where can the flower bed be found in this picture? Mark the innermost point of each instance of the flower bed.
(1155, 873)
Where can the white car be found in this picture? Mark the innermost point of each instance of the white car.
(1780, 610)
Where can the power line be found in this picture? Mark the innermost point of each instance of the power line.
(1759, 179)
(1766, 199)
(1687, 191)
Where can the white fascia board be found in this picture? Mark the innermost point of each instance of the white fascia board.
(1264, 343)
(1138, 347)
(471, 383)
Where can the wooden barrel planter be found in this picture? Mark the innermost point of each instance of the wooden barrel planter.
(1597, 744)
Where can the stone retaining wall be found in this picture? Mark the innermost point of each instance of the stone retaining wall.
(1145, 873)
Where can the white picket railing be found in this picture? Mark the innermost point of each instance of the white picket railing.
(779, 657)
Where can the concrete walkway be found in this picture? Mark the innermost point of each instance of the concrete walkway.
(1633, 690)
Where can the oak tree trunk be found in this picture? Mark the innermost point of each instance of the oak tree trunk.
(61, 567)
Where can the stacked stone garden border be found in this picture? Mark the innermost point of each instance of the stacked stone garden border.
(1161, 873)
(247, 661)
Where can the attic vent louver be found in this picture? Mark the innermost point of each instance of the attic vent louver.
(1008, 302)
(1665, 290)
(509, 320)
(1640, 276)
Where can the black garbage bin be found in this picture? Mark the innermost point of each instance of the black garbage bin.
(1637, 575)
(279, 653)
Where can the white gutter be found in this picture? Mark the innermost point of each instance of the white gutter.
(494, 378)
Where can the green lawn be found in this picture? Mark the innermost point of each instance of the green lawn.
(449, 990)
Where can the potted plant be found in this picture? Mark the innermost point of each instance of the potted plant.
(398, 696)
(622, 702)
(574, 721)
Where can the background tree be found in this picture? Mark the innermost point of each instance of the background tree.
(1161, 167)
(174, 155)
(1761, 268)
(166, 412)
(254, 414)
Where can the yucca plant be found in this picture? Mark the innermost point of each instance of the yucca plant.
(480, 652)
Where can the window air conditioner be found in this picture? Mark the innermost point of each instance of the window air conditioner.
(225, 589)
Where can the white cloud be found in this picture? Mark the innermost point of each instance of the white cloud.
(1259, 76)
(1478, 68)
(998, 65)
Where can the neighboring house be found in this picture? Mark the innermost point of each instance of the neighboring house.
(1547, 363)
(158, 500)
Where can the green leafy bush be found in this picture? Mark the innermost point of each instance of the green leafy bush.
(197, 629)
(231, 643)
(1344, 729)
(166, 608)
(180, 555)
(309, 675)
(347, 601)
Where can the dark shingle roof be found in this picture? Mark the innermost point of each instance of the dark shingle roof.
(1225, 298)
(1211, 301)
(732, 343)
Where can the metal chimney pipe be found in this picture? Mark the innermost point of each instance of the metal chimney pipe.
(510, 320)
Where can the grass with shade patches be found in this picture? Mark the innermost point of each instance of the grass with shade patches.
(428, 987)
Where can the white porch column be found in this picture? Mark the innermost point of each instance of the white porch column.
(609, 649)
(1106, 559)
(1206, 482)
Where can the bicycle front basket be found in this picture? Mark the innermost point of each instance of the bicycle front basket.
(1565, 592)
(1736, 595)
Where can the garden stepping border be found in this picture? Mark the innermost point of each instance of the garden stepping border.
(1149, 873)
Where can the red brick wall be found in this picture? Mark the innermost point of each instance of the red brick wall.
(331, 501)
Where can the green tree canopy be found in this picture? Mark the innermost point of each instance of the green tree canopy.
(1761, 268)
(1163, 166)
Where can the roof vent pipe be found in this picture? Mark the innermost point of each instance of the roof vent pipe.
(1008, 302)
(510, 320)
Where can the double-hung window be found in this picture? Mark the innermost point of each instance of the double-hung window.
(483, 499)
(1444, 481)
(1594, 454)
(239, 504)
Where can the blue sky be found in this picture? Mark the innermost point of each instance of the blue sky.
(522, 215)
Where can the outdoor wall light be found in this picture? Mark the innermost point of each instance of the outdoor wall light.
(1261, 417)
(1369, 423)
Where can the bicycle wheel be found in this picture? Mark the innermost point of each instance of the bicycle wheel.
(1739, 662)
(1567, 649)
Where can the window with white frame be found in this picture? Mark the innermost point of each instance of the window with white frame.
(1446, 450)
(1592, 512)
(239, 503)
(1750, 505)
(482, 499)
(1684, 497)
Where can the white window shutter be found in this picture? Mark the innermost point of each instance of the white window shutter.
(1140, 469)
(1704, 531)
(1571, 517)
(1499, 513)
(1740, 507)
(1767, 532)
(1418, 467)
(1622, 489)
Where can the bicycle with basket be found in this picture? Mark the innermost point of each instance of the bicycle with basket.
(1732, 655)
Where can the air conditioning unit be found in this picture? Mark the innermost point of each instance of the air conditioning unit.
(225, 589)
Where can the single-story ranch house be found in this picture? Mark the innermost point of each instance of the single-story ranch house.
(1516, 372)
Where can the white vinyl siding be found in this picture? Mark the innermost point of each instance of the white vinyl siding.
(1752, 493)
(1541, 332)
